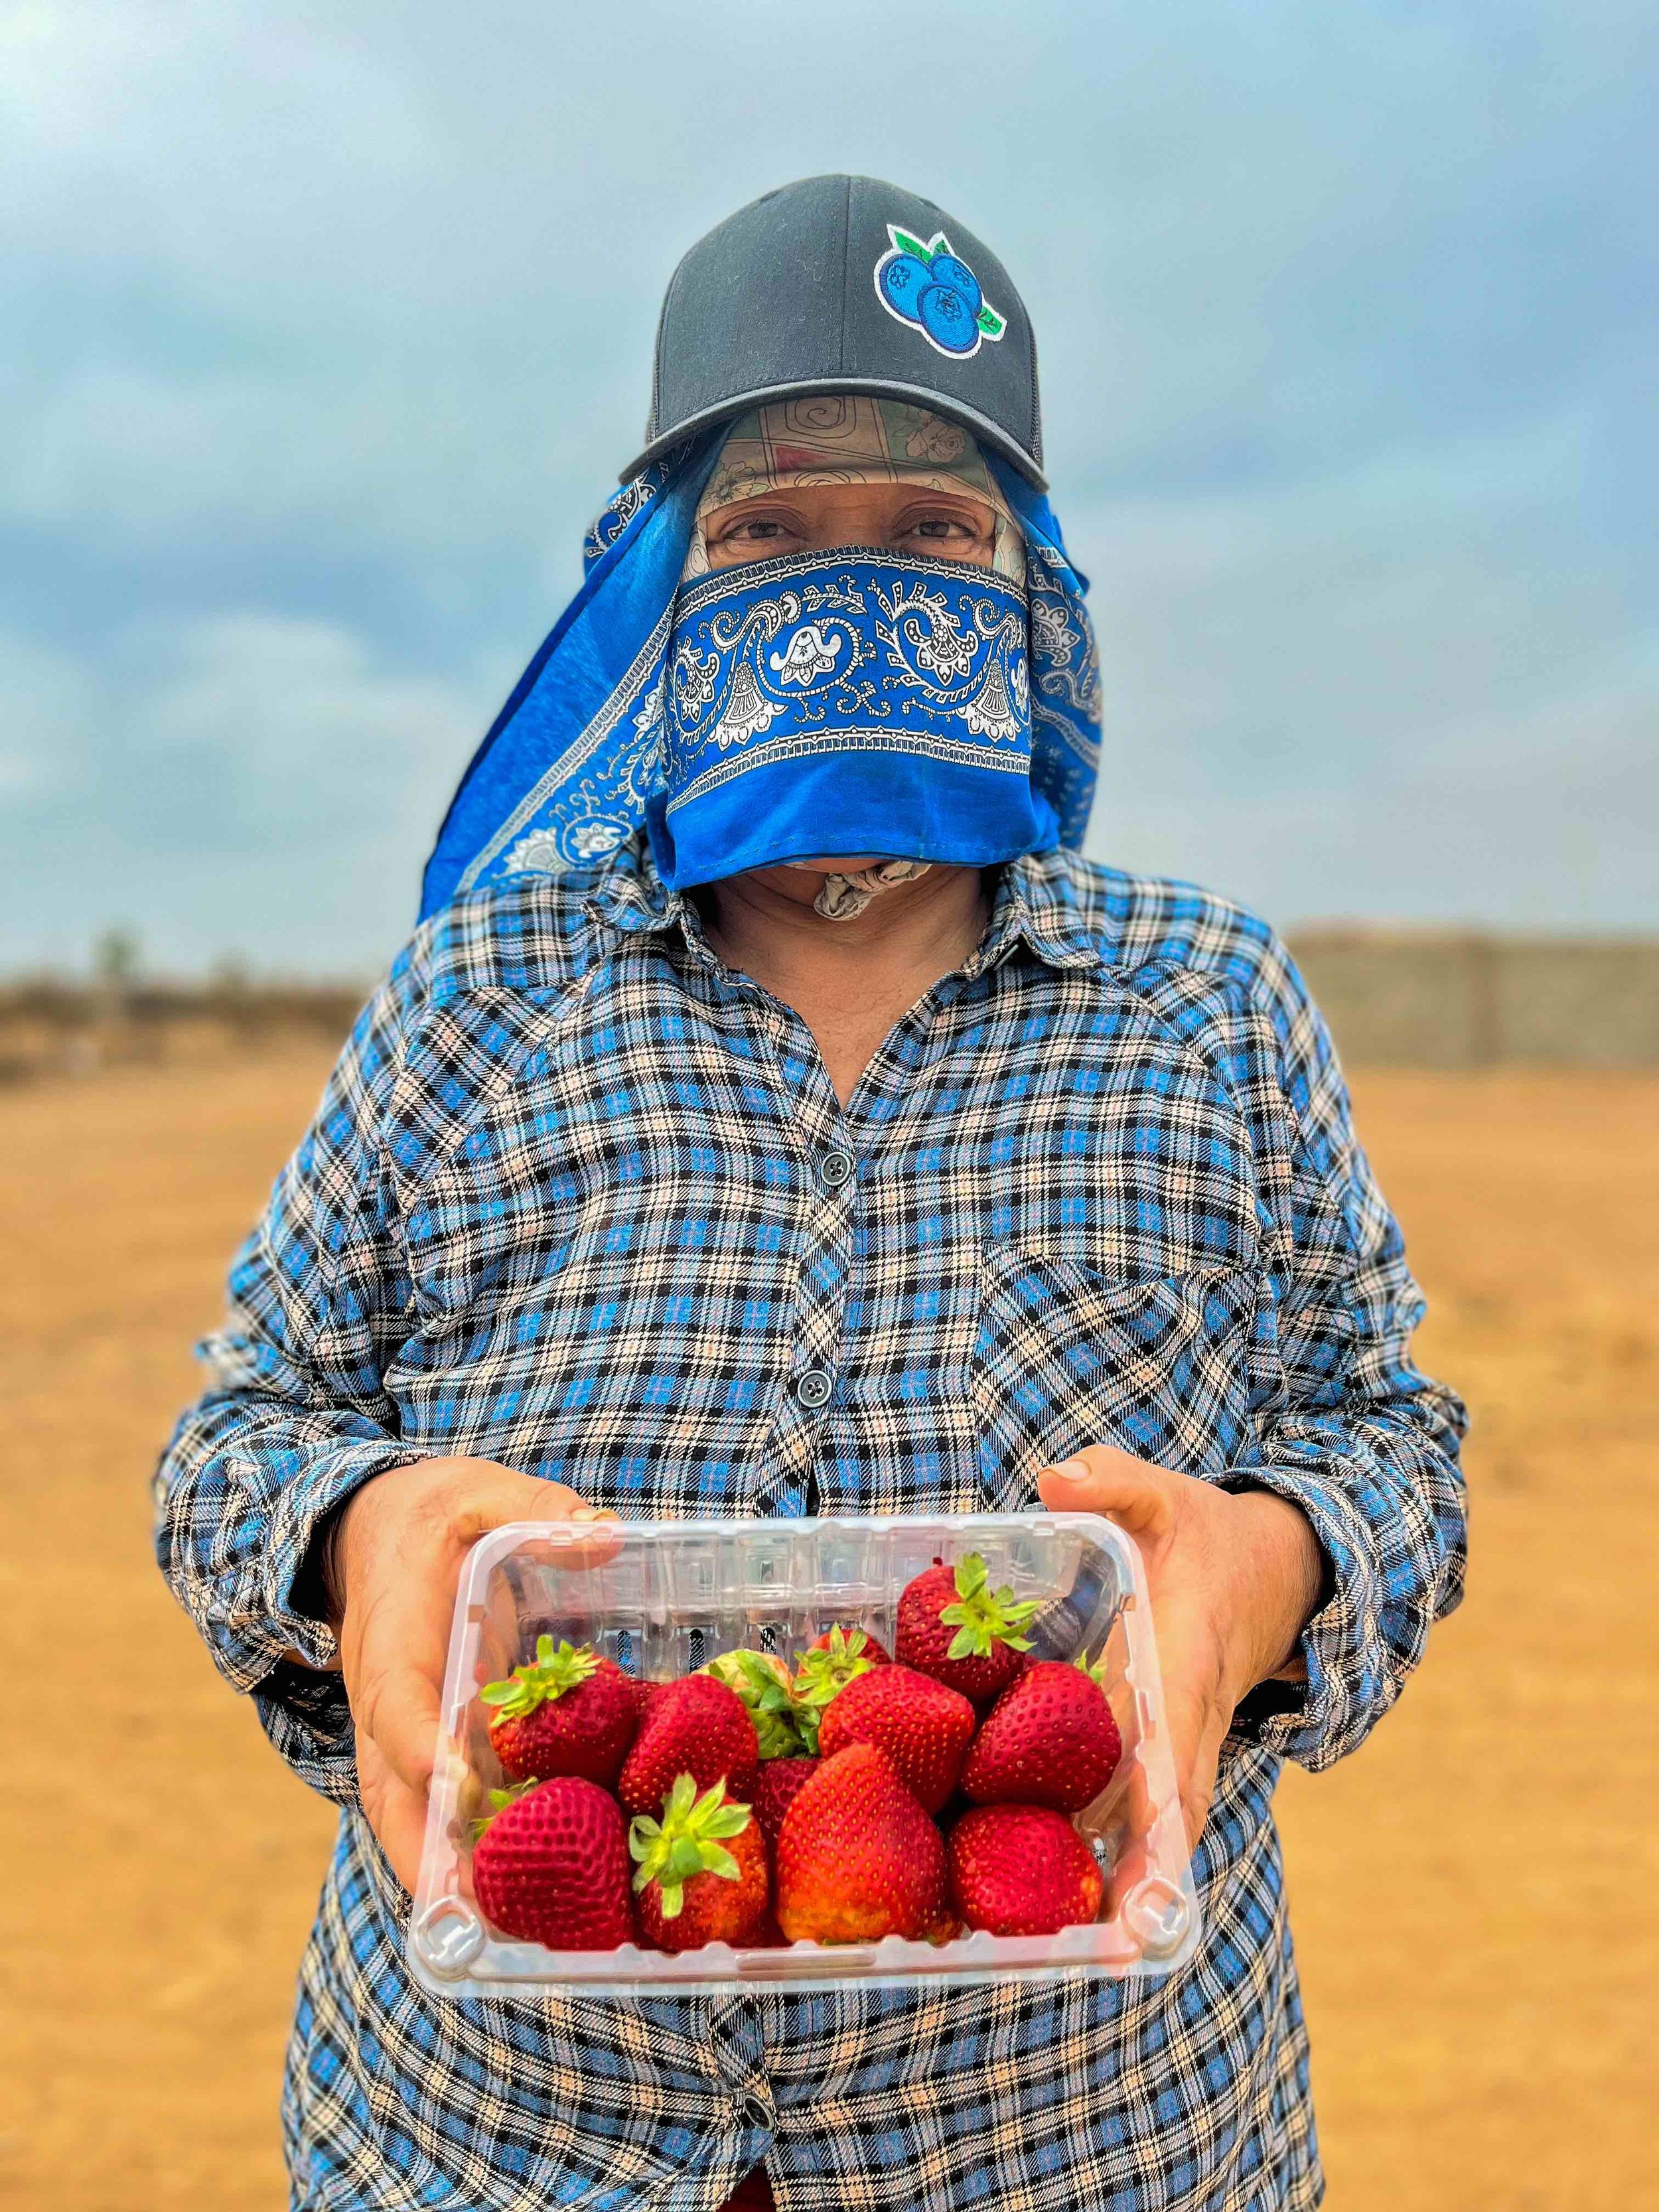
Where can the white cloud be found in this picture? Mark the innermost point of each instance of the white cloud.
(322, 737)
(246, 783)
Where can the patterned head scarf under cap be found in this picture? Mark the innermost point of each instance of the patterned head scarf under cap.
(842, 438)
(620, 719)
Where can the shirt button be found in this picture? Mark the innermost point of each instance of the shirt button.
(813, 1388)
(836, 1168)
(757, 2113)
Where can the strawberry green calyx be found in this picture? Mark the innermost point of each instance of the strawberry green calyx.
(763, 1685)
(840, 1662)
(550, 1674)
(1095, 1670)
(982, 1616)
(498, 1801)
(686, 1841)
(822, 1676)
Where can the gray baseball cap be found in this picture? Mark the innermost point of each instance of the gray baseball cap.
(845, 285)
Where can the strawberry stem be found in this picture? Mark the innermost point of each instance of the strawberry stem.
(549, 1675)
(982, 1616)
(686, 1842)
(763, 1685)
(822, 1674)
(498, 1801)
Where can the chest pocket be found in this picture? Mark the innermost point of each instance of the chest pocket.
(1066, 1356)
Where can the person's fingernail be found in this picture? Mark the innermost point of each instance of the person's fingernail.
(592, 1513)
(1071, 1470)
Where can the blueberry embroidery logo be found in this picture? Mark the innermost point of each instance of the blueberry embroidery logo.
(936, 292)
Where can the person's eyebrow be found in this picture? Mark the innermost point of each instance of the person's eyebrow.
(766, 505)
(955, 504)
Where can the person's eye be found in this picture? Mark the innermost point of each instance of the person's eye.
(949, 527)
(757, 530)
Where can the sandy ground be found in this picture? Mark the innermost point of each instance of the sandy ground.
(1474, 1895)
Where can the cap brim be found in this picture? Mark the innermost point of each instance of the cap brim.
(988, 432)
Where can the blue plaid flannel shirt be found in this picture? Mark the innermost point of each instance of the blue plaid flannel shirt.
(560, 1207)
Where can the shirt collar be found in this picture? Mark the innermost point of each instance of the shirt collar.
(1035, 906)
(631, 896)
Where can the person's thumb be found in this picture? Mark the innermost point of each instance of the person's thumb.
(1104, 1480)
(499, 1496)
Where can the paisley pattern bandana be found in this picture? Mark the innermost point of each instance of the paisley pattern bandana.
(846, 702)
(579, 752)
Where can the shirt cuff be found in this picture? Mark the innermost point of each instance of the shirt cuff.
(1316, 1721)
(302, 1511)
(307, 1717)
(251, 1616)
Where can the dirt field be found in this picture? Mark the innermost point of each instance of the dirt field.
(1474, 1895)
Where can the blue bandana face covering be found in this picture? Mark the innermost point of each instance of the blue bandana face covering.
(850, 702)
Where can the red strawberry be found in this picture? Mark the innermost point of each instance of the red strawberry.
(1050, 1738)
(777, 1785)
(952, 1625)
(568, 1712)
(858, 1858)
(690, 1889)
(646, 1693)
(552, 1867)
(1022, 1870)
(473, 1793)
(696, 1727)
(924, 1729)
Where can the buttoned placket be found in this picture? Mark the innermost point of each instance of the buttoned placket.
(737, 2044)
(826, 1164)
(834, 1137)
(826, 1181)
(826, 1168)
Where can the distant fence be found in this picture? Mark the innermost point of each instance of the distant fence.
(1451, 999)
(1393, 998)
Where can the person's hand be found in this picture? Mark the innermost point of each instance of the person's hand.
(393, 1559)
(1234, 1577)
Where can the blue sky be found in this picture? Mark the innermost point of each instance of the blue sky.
(327, 329)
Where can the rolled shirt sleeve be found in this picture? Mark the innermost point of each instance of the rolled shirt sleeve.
(1355, 1435)
(295, 1416)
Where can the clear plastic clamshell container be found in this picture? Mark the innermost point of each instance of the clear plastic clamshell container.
(663, 1597)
